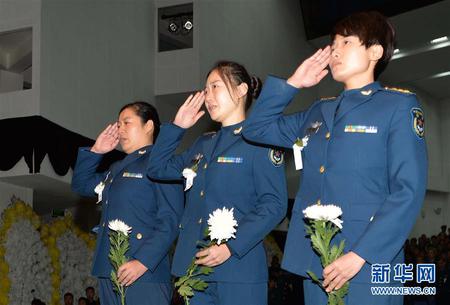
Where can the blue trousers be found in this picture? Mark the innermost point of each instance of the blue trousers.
(359, 294)
(222, 293)
(139, 293)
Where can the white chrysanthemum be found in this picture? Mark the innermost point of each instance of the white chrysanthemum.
(328, 212)
(75, 259)
(29, 264)
(222, 225)
(119, 226)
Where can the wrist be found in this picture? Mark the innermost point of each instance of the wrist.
(95, 150)
(291, 81)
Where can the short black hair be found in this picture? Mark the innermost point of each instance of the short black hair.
(146, 112)
(371, 28)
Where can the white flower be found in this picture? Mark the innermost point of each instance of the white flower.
(324, 212)
(189, 174)
(119, 226)
(222, 225)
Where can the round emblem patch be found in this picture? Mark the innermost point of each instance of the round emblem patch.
(276, 156)
(418, 122)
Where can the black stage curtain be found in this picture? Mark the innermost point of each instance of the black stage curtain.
(34, 137)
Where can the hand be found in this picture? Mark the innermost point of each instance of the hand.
(312, 70)
(107, 140)
(341, 270)
(130, 272)
(213, 256)
(189, 113)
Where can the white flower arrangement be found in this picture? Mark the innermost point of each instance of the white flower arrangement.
(322, 224)
(29, 264)
(75, 259)
(221, 227)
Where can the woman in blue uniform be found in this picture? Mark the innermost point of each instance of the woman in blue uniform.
(232, 173)
(152, 209)
(364, 151)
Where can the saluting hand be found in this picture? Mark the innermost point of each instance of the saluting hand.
(107, 140)
(189, 113)
(312, 70)
(213, 256)
(129, 272)
(341, 270)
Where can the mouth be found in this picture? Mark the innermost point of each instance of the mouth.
(335, 64)
(211, 108)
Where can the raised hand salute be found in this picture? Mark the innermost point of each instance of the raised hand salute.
(107, 140)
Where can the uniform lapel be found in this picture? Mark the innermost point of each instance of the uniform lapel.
(356, 98)
(129, 159)
(328, 112)
(209, 145)
(225, 145)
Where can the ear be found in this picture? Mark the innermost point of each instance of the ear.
(149, 127)
(376, 52)
(242, 90)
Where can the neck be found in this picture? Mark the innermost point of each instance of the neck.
(234, 118)
(359, 82)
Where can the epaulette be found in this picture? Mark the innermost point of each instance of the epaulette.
(329, 98)
(398, 90)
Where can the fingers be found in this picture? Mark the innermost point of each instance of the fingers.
(188, 100)
(199, 115)
(322, 74)
(125, 275)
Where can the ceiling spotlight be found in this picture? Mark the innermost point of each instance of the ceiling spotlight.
(188, 25)
(173, 27)
(439, 40)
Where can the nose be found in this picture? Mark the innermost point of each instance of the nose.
(208, 95)
(335, 53)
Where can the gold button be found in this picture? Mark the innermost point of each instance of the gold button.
(202, 193)
(328, 135)
(205, 166)
(319, 202)
(322, 169)
(200, 221)
(139, 236)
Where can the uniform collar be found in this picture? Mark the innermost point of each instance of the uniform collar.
(235, 129)
(365, 91)
(142, 150)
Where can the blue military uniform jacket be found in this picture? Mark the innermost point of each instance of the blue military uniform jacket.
(369, 157)
(152, 210)
(232, 174)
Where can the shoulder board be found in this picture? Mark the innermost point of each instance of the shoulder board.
(329, 98)
(398, 90)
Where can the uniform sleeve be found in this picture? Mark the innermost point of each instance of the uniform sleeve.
(270, 206)
(85, 178)
(266, 123)
(163, 163)
(170, 201)
(407, 174)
